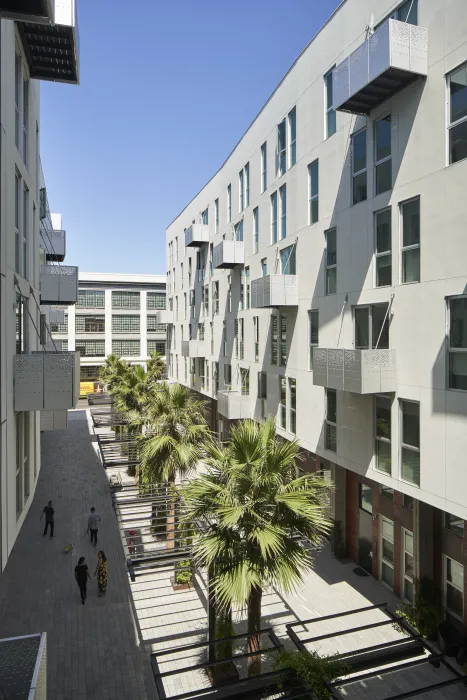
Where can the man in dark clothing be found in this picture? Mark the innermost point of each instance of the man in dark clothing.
(81, 575)
(49, 518)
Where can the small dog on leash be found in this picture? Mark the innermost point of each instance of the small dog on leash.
(68, 547)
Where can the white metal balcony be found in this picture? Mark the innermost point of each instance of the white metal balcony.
(54, 244)
(52, 49)
(164, 316)
(233, 405)
(196, 235)
(59, 284)
(46, 381)
(389, 60)
(274, 290)
(23, 667)
(358, 371)
(54, 420)
(228, 254)
(193, 348)
(27, 10)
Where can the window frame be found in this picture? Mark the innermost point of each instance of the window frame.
(311, 344)
(126, 354)
(332, 266)
(312, 198)
(94, 344)
(447, 524)
(292, 141)
(452, 351)
(264, 167)
(382, 559)
(244, 381)
(412, 246)
(281, 149)
(128, 295)
(381, 254)
(331, 426)
(274, 217)
(382, 438)
(452, 125)
(255, 230)
(447, 583)
(282, 403)
(216, 216)
(229, 203)
(292, 386)
(386, 159)
(256, 337)
(404, 445)
(241, 191)
(357, 173)
(328, 108)
(283, 211)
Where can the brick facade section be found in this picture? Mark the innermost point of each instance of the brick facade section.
(375, 532)
(437, 551)
(351, 511)
(398, 544)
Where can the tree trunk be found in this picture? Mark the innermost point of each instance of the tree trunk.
(254, 625)
(212, 617)
(170, 523)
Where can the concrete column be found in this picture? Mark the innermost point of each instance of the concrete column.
(338, 498)
(71, 311)
(108, 321)
(143, 325)
(351, 520)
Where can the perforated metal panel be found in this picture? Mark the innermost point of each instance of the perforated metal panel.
(59, 284)
(29, 383)
(274, 290)
(46, 381)
(54, 420)
(164, 316)
(56, 315)
(340, 83)
(378, 48)
(357, 371)
(358, 68)
(23, 667)
(55, 243)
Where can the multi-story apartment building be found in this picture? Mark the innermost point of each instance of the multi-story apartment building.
(321, 276)
(31, 277)
(115, 313)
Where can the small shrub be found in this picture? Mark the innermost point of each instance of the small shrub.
(312, 670)
(186, 575)
(425, 613)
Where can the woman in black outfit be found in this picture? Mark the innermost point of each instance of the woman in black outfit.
(81, 575)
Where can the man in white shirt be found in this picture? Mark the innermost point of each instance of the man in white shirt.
(94, 521)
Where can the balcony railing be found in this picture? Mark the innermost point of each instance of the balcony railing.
(193, 348)
(196, 235)
(164, 316)
(38, 11)
(358, 371)
(233, 405)
(54, 420)
(274, 290)
(54, 244)
(24, 667)
(46, 381)
(228, 254)
(59, 284)
(389, 60)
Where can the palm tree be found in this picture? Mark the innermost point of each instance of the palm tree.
(156, 368)
(113, 370)
(255, 502)
(176, 421)
(131, 392)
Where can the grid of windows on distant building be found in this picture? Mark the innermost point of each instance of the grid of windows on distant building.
(154, 300)
(91, 299)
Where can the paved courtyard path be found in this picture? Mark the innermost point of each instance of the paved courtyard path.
(94, 651)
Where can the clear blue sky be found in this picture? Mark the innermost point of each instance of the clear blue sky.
(167, 89)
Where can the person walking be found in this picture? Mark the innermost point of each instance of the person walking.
(101, 573)
(93, 525)
(81, 575)
(49, 518)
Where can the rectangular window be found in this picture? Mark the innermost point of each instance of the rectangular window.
(216, 216)
(331, 261)
(458, 343)
(330, 112)
(126, 348)
(313, 192)
(200, 265)
(410, 444)
(18, 81)
(189, 271)
(200, 331)
(236, 339)
(238, 231)
(89, 324)
(245, 381)
(224, 339)
(457, 128)
(454, 589)
(25, 120)
(247, 185)
(365, 498)
(205, 216)
(206, 300)
(283, 343)
(256, 336)
(228, 377)
(211, 329)
(207, 374)
(454, 524)
(125, 324)
(262, 385)
(387, 552)
(91, 299)
(229, 293)
(331, 420)
(383, 434)
(313, 324)
(19, 463)
(292, 120)
(387, 493)
(181, 275)
(241, 303)
(383, 247)
(410, 214)
(20, 324)
(241, 191)
(288, 260)
(359, 171)
(283, 403)
(247, 281)
(229, 203)
(17, 222)
(281, 149)
(125, 300)
(155, 300)
(215, 297)
(92, 348)
(89, 373)
(215, 377)
(264, 167)
(383, 158)
(371, 327)
(255, 230)
(274, 339)
(274, 217)
(156, 346)
(264, 267)
(25, 231)
(408, 12)
(407, 566)
(283, 206)
(293, 405)
(407, 501)
(62, 327)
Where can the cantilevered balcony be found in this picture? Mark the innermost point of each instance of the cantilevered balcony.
(59, 284)
(228, 254)
(196, 235)
(52, 50)
(46, 381)
(54, 244)
(54, 420)
(391, 58)
(23, 664)
(164, 316)
(193, 348)
(358, 371)
(233, 405)
(274, 290)
(27, 10)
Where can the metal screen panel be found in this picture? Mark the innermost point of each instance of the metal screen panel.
(29, 383)
(58, 380)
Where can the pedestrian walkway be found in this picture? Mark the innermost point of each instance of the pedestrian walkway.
(94, 651)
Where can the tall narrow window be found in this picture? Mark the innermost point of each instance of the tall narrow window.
(238, 231)
(283, 402)
(264, 267)
(211, 329)
(247, 185)
(241, 334)
(215, 377)
(241, 191)
(25, 231)
(228, 377)
(255, 230)
(387, 552)
(288, 260)
(458, 343)
(359, 167)
(256, 336)
(262, 385)
(18, 81)
(408, 569)
(200, 331)
(247, 282)
(454, 524)
(264, 167)
(457, 129)
(274, 217)
(229, 293)
(205, 216)
(25, 120)
(330, 112)
(383, 434)
(331, 420)
(229, 203)
(216, 216)
(454, 590)
(17, 222)
(292, 119)
(281, 148)
(189, 271)
(410, 214)
(245, 381)
(383, 159)
(215, 297)
(313, 321)
(224, 339)
(206, 300)
(313, 192)
(383, 245)
(241, 304)
(283, 205)
(283, 343)
(331, 261)
(274, 339)
(181, 274)
(293, 405)
(410, 444)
